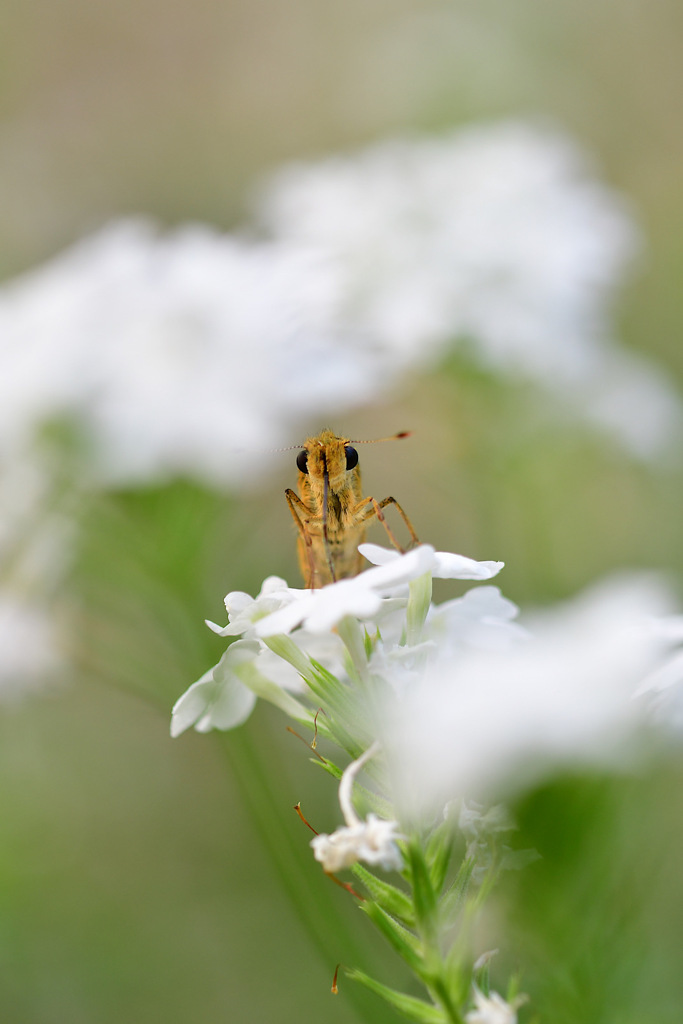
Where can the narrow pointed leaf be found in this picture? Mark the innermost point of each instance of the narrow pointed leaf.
(411, 1008)
(403, 941)
(457, 894)
(389, 897)
(439, 850)
(423, 893)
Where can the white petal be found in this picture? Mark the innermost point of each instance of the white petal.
(457, 567)
(218, 700)
(444, 564)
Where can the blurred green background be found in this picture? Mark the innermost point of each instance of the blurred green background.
(144, 879)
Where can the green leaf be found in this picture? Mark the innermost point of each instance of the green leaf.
(341, 722)
(329, 767)
(482, 977)
(424, 896)
(439, 850)
(457, 894)
(404, 942)
(328, 689)
(409, 1006)
(389, 897)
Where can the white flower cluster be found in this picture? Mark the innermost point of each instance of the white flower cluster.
(458, 699)
(192, 352)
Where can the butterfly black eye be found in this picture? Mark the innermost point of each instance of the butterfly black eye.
(302, 461)
(351, 457)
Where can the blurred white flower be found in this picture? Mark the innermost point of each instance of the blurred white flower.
(194, 352)
(662, 689)
(29, 654)
(186, 353)
(497, 236)
(480, 618)
(372, 840)
(489, 721)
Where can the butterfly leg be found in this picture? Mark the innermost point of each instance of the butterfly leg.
(305, 545)
(370, 507)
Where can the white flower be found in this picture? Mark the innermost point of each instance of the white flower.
(219, 700)
(245, 611)
(492, 1009)
(492, 721)
(361, 596)
(224, 697)
(496, 236)
(372, 840)
(445, 565)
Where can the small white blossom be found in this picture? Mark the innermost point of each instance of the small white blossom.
(245, 611)
(219, 700)
(491, 1009)
(372, 840)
